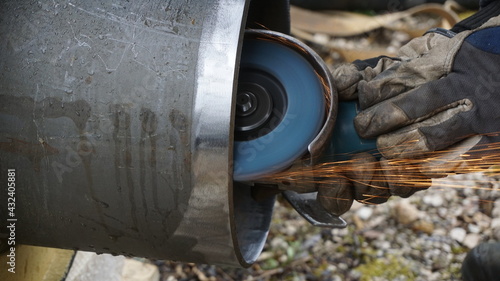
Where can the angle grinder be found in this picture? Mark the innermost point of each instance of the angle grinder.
(288, 115)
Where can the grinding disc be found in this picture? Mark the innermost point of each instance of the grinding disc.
(280, 84)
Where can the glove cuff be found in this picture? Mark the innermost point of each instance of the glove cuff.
(479, 18)
(442, 31)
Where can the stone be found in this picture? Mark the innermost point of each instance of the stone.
(434, 200)
(372, 234)
(473, 228)
(423, 226)
(364, 213)
(406, 213)
(495, 223)
(472, 240)
(458, 234)
(496, 209)
(496, 234)
(278, 243)
(290, 229)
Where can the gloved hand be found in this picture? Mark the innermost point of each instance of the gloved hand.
(441, 91)
(364, 178)
(369, 181)
(448, 95)
(349, 75)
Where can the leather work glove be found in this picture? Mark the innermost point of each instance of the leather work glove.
(442, 92)
(348, 76)
(448, 96)
(364, 178)
(369, 181)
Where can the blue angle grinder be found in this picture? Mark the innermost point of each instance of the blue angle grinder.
(287, 115)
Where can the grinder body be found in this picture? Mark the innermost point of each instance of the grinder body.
(345, 140)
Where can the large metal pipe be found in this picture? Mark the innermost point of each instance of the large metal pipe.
(117, 118)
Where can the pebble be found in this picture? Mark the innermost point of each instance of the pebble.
(446, 248)
(434, 200)
(329, 246)
(473, 228)
(372, 234)
(336, 278)
(483, 221)
(458, 234)
(440, 261)
(340, 232)
(384, 245)
(278, 243)
(290, 229)
(265, 255)
(364, 213)
(406, 212)
(342, 266)
(472, 240)
(442, 212)
(311, 241)
(440, 232)
(423, 226)
(495, 223)
(496, 209)
(331, 267)
(375, 221)
(321, 38)
(496, 234)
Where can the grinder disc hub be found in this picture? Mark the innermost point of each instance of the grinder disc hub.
(246, 104)
(260, 104)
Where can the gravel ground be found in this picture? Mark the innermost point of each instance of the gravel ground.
(424, 237)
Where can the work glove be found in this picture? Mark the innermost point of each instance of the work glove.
(448, 96)
(347, 76)
(368, 180)
(364, 177)
(442, 92)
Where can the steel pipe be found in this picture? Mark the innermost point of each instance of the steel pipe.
(117, 117)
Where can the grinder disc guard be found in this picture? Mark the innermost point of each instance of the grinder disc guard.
(280, 108)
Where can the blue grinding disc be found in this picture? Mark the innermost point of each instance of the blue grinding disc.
(302, 121)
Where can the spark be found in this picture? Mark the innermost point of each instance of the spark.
(372, 171)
